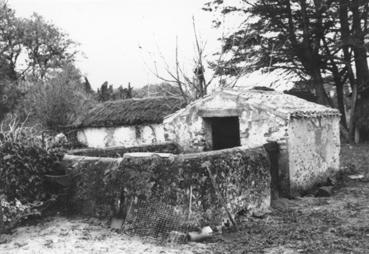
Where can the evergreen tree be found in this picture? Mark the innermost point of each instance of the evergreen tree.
(315, 39)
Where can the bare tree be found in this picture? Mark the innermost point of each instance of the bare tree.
(195, 84)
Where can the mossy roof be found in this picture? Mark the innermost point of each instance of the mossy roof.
(128, 112)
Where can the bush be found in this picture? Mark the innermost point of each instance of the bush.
(15, 211)
(24, 164)
(22, 171)
(56, 102)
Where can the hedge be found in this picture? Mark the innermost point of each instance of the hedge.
(241, 175)
(24, 167)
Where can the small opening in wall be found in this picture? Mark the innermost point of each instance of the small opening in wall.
(225, 132)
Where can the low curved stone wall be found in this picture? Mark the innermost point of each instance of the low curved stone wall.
(242, 182)
(119, 151)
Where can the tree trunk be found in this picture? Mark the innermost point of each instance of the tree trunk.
(352, 123)
(361, 63)
(2, 226)
(319, 87)
(341, 103)
(345, 34)
(360, 55)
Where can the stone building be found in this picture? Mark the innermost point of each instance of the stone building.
(131, 122)
(307, 133)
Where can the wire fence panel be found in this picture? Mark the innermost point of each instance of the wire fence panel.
(157, 219)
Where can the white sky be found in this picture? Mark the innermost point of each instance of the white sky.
(121, 38)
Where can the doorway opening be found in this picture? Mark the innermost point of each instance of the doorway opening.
(225, 132)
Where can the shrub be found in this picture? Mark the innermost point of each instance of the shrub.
(22, 171)
(15, 211)
(57, 101)
(24, 164)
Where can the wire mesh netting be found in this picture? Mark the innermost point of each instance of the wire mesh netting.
(159, 220)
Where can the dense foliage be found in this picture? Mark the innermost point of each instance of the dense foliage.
(56, 101)
(22, 171)
(33, 51)
(24, 164)
(323, 41)
(43, 45)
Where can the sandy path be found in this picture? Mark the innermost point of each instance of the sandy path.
(62, 235)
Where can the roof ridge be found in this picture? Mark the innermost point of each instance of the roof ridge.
(311, 109)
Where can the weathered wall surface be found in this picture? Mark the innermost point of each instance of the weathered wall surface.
(314, 146)
(188, 130)
(257, 127)
(308, 148)
(119, 151)
(242, 177)
(121, 136)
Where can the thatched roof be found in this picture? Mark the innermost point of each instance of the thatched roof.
(130, 112)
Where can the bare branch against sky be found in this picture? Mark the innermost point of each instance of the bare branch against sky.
(117, 36)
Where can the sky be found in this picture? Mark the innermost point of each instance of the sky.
(122, 40)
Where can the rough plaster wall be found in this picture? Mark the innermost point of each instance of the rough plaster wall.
(188, 131)
(314, 146)
(122, 136)
(259, 127)
(92, 137)
(191, 132)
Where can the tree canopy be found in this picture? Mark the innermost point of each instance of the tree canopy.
(37, 73)
(31, 46)
(320, 40)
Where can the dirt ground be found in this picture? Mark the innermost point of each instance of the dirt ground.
(78, 235)
(336, 224)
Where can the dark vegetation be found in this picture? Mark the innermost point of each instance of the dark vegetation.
(24, 167)
(46, 88)
(44, 47)
(325, 42)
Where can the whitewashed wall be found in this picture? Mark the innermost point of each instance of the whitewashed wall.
(257, 127)
(314, 147)
(122, 136)
(309, 147)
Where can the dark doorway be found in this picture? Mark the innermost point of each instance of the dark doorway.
(225, 132)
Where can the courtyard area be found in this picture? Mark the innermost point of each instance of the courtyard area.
(335, 224)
